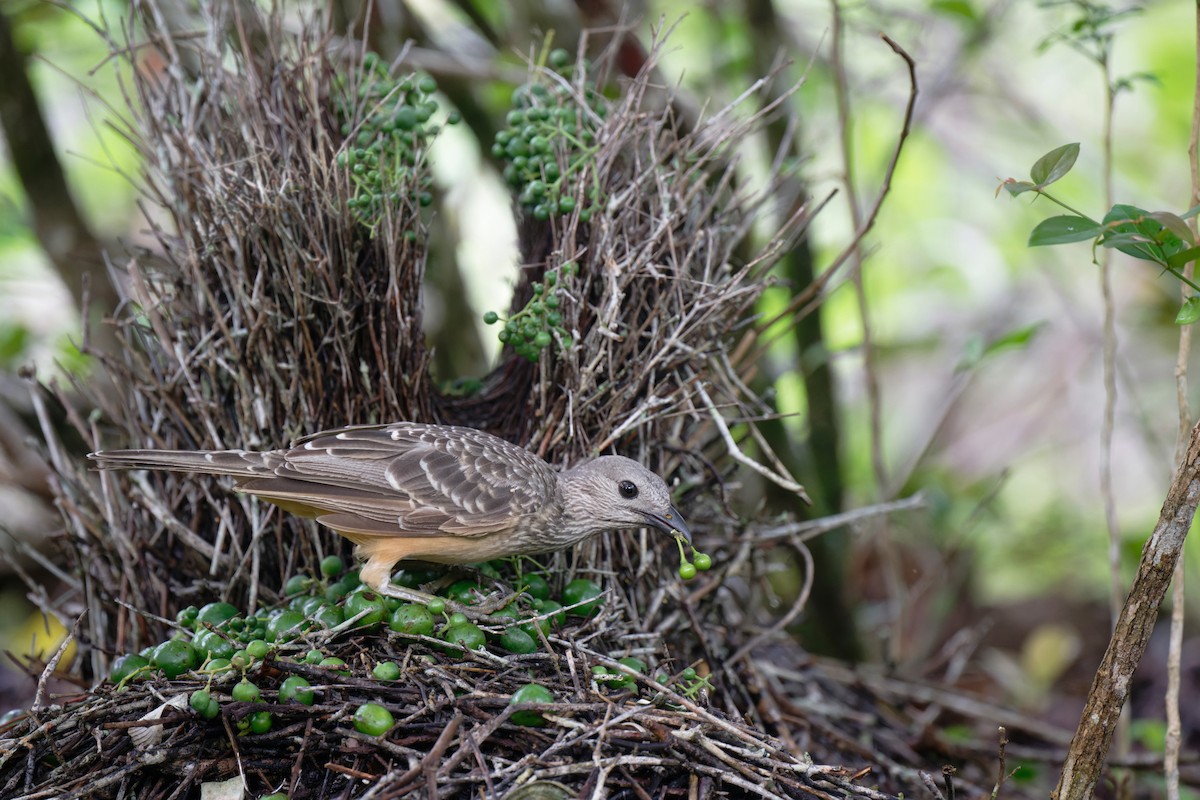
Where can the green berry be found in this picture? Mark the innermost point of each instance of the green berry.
(175, 657)
(313, 656)
(467, 635)
(559, 58)
(199, 700)
(295, 688)
(536, 586)
(373, 719)
(286, 625)
(216, 613)
(260, 722)
(245, 692)
(687, 570)
(127, 665)
(490, 318)
(436, 606)
(332, 566)
(297, 584)
(530, 693)
(333, 663)
(412, 619)
(364, 601)
(257, 648)
(581, 590)
(386, 671)
(703, 561)
(515, 640)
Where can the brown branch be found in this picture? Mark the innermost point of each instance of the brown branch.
(1110, 688)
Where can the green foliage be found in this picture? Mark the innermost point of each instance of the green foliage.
(1161, 237)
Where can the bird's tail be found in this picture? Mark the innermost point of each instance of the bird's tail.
(242, 463)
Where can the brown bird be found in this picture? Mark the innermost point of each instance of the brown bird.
(432, 492)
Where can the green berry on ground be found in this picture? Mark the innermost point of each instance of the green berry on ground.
(334, 663)
(364, 601)
(373, 719)
(536, 586)
(245, 692)
(199, 700)
(126, 666)
(260, 722)
(257, 648)
(467, 635)
(466, 592)
(175, 657)
(530, 693)
(386, 671)
(286, 625)
(332, 566)
(295, 688)
(210, 644)
(582, 590)
(216, 613)
(412, 619)
(313, 656)
(515, 640)
(436, 606)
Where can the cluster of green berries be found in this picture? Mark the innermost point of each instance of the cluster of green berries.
(531, 330)
(217, 639)
(548, 140)
(699, 561)
(385, 150)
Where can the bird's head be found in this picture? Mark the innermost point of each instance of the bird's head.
(613, 492)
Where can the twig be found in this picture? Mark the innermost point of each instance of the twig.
(1001, 768)
(1110, 688)
(736, 452)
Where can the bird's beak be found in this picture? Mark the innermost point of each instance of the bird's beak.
(670, 522)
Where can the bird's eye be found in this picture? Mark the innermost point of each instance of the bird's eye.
(627, 489)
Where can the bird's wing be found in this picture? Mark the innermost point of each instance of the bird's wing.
(408, 480)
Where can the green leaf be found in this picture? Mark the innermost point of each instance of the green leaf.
(1054, 165)
(1189, 312)
(1181, 258)
(1017, 187)
(955, 8)
(1064, 229)
(1136, 232)
(1174, 223)
(977, 350)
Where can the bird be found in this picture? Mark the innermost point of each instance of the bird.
(437, 493)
